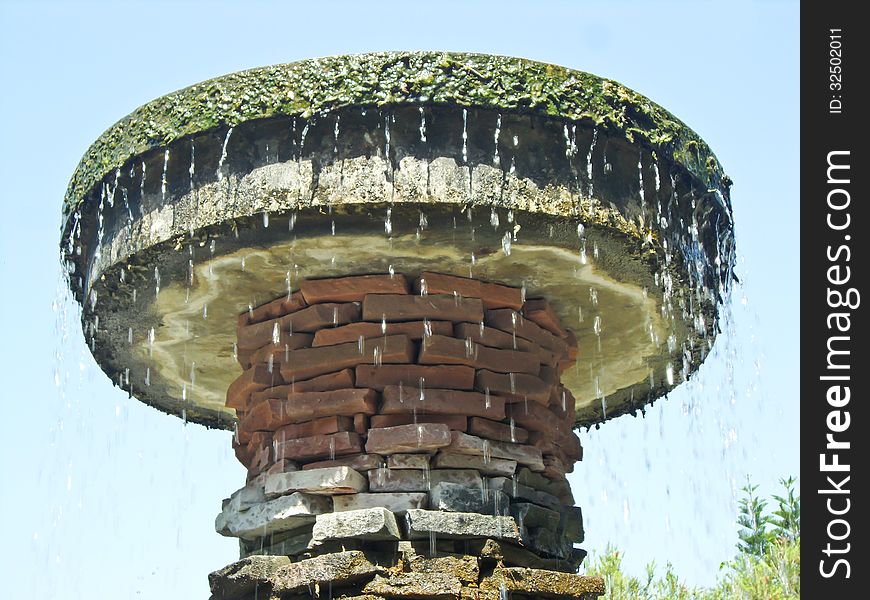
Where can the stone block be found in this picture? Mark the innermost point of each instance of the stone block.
(527, 514)
(353, 288)
(408, 461)
(465, 568)
(321, 426)
(298, 407)
(338, 568)
(453, 377)
(241, 578)
(273, 309)
(434, 586)
(447, 525)
(518, 491)
(443, 350)
(492, 466)
(468, 478)
(306, 320)
(352, 332)
(423, 437)
(520, 386)
(364, 524)
(399, 400)
(276, 352)
(494, 430)
(357, 462)
(462, 443)
(311, 362)
(395, 502)
(454, 422)
(539, 311)
(493, 295)
(246, 497)
(571, 524)
(255, 379)
(436, 307)
(281, 514)
(398, 480)
(319, 446)
(455, 497)
(544, 584)
(325, 481)
(512, 322)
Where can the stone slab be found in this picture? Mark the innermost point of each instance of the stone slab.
(544, 584)
(351, 332)
(493, 295)
(527, 514)
(454, 422)
(493, 466)
(306, 320)
(352, 288)
(443, 350)
(517, 385)
(465, 568)
(241, 578)
(436, 307)
(512, 322)
(518, 491)
(319, 446)
(357, 462)
(399, 400)
(462, 443)
(423, 437)
(408, 461)
(453, 377)
(298, 407)
(321, 426)
(539, 311)
(422, 523)
(276, 352)
(312, 362)
(497, 431)
(434, 586)
(338, 568)
(281, 514)
(254, 379)
(377, 524)
(454, 497)
(395, 502)
(468, 478)
(325, 481)
(398, 480)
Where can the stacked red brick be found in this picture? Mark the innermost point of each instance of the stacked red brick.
(453, 381)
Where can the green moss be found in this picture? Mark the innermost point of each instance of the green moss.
(317, 86)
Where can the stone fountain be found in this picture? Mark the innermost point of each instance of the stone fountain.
(401, 280)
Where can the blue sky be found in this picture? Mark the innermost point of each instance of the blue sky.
(104, 497)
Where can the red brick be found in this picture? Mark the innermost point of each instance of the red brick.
(455, 377)
(270, 415)
(455, 422)
(319, 446)
(495, 338)
(495, 430)
(307, 320)
(423, 437)
(272, 310)
(358, 462)
(255, 379)
(276, 351)
(321, 426)
(439, 349)
(493, 295)
(398, 400)
(517, 386)
(331, 381)
(352, 289)
(510, 322)
(360, 423)
(311, 362)
(353, 331)
(539, 311)
(440, 307)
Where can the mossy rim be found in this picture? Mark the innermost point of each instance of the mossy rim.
(317, 86)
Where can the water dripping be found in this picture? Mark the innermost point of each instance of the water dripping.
(422, 125)
(220, 168)
(589, 172)
(493, 218)
(465, 136)
(165, 171)
(266, 219)
(506, 244)
(191, 170)
(495, 158)
(335, 136)
(388, 221)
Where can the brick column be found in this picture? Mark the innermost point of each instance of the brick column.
(404, 439)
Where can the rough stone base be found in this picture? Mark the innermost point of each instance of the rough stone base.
(493, 573)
